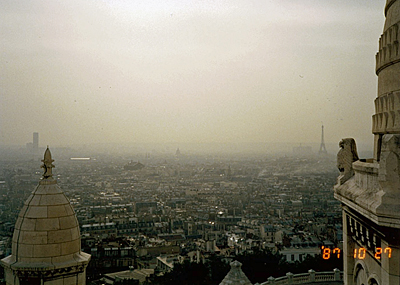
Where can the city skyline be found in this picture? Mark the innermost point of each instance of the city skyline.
(212, 72)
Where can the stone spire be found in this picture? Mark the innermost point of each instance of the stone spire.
(235, 276)
(46, 244)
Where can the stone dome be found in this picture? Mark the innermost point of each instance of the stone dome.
(46, 233)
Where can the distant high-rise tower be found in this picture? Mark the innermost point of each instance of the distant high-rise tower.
(35, 141)
(322, 148)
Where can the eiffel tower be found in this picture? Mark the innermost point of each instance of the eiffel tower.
(322, 148)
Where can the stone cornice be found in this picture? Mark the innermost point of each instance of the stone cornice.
(355, 198)
(77, 264)
(38, 272)
(380, 68)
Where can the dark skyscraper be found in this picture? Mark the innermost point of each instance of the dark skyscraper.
(35, 141)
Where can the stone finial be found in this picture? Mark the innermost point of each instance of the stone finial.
(311, 273)
(47, 164)
(337, 274)
(345, 158)
(235, 275)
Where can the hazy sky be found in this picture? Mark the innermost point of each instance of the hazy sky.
(83, 71)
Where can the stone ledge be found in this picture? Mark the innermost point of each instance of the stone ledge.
(366, 175)
(368, 203)
(366, 167)
(78, 262)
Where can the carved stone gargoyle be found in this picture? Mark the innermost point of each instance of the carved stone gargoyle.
(345, 158)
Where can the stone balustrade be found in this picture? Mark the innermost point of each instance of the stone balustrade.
(312, 277)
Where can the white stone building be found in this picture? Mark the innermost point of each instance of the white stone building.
(369, 189)
(46, 244)
(293, 254)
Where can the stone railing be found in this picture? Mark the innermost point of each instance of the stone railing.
(334, 277)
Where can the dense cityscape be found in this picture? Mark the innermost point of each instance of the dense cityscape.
(144, 213)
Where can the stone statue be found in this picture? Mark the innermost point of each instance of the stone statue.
(345, 158)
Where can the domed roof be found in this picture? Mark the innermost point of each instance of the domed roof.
(47, 231)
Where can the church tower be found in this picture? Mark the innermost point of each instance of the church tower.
(369, 189)
(46, 244)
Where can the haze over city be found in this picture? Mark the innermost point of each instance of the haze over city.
(83, 72)
(197, 142)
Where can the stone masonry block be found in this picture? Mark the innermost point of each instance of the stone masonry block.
(75, 233)
(50, 224)
(59, 236)
(36, 212)
(28, 224)
(70, 247)
(25, 250)
(35, 201)
(33, 237)
(56, 211)
(69, 209)
(68, 222)
(36, 259)
(47, 250)
(54, 199)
